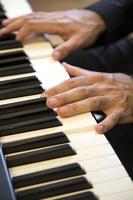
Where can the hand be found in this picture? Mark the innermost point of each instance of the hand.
(93, 91)
(78, 28)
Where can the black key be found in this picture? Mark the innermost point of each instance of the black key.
(32, 127)
(7, 37)
(11, 44)
(36, 142)
(15, 65)
(23, 108)
(13, 54)
(16, 70)
(83, 196)
(40, 155)
(28, 119)
(14, 83)
(2, 17)
(2, 13)
(6, 189)
(22, 93)
(8, 62)
(53, 174)
(51, 190)
(20, 87)
(2, 9)
(14, 61)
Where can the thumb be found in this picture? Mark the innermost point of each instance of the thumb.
(108, 123)
(73, 71)
(65, 49)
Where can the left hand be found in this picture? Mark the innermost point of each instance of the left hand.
(74, 25)
(94, 91)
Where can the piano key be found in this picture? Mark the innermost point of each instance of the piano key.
(11, 44)
(23, 108)
(1, 8)
(48, 175)
(2, 17)
(20, 121)
(55, 189)
(17, 76)
(54, 122)
(14, 61)
(81, 196)
(40, 155)
(108, 174)
(7, 37)
(93, 164)
(7, 85)
(20, 87)
(90, 165)
(29, 91)
(15, 70)
(16, 9)
(111, 192)
(75, 124)
(12, 55)
(127, 195)
(14, 66)
(113, 187)
(37, 142)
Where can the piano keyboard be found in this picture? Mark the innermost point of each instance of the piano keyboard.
(43, 156)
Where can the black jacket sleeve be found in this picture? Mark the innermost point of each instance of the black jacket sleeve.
(118, 16)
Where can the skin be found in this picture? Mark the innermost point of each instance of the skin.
(94, 91)
(85, 91)
(72, 25)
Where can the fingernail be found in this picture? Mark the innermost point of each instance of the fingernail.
(57, 55)
(52, 102)
(100, 128)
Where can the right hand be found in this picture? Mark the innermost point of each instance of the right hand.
(78, 28)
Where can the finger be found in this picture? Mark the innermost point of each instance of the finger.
(109, 122)
(78, 94)
(69, 96)
(82, 106)
(37, 26)
(12, 26)
(73, 70)
(66, 48)
(77, 83)
(8, 21)
(24, 31)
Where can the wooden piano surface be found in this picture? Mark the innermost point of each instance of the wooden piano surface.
(94, 153)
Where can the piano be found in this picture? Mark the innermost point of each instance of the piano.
(43, 156)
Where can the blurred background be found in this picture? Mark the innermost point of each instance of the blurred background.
(50, 5)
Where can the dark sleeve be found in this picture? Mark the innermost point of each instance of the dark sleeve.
(118, 16)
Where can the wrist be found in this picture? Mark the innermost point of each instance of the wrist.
(99, 22)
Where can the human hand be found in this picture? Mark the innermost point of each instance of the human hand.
(78, 28)
(93, 91)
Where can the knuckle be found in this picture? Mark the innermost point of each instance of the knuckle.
(62, 99)
(72, 83)
(72, 108)
(52, 92)
(66, 46)
(98, 102)
(66, 110)
(84, 91)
